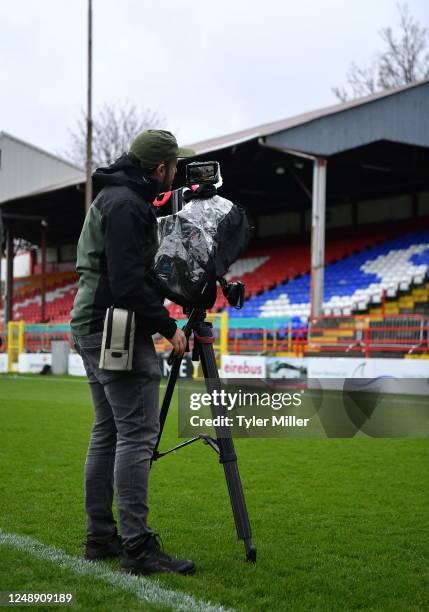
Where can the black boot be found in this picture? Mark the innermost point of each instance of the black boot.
(149, 558)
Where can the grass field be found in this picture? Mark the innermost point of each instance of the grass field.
(340, 524)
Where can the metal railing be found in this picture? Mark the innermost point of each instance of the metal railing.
(265, 342)
(359, 335)
(395, 334)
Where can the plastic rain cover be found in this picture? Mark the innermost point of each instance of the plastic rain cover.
(188, 242)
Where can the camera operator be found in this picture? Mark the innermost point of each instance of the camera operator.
(115, 253)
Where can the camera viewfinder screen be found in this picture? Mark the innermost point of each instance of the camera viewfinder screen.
(204, 173)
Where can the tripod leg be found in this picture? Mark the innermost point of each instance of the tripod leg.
(227, 454)
(172, 379)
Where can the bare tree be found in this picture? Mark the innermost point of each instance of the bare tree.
(404, 59)
(114, 127)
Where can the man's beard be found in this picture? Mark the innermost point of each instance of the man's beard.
(166, 184)
(162, 186)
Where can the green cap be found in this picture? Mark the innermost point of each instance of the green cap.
(154, 147)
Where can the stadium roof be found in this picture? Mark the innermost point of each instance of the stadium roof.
(384, 104)
(293, 132)
(32, 147)
(26, 170)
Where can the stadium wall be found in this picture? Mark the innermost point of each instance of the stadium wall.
(334, 370)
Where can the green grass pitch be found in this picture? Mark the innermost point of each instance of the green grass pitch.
(340, 524)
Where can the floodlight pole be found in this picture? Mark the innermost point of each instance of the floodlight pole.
(88, 185)
(318, 215)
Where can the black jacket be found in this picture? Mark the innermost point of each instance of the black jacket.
(115, 252)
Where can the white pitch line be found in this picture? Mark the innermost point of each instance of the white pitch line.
(145, 589)
(50, 378)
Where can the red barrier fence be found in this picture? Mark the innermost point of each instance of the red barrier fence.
(341, 335)
(258, 341)
(395, 335)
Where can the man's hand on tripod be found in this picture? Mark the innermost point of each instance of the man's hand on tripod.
(178, 342)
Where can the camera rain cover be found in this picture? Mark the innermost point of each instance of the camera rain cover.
(196, 246)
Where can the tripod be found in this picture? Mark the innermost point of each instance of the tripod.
(223, 444)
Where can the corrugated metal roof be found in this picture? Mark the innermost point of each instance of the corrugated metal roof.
(26, 169)
(33, 147)
(266, 129)
(57, 186)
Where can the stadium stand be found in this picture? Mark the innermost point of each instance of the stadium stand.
(60, 291)
(356, 278)
(352, 284)
(266, 266)
(277, 264)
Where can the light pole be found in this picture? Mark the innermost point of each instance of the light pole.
(88, 186)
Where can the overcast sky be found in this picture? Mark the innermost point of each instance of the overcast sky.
(208, 67)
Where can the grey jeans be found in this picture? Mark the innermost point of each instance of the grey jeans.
(123, 437)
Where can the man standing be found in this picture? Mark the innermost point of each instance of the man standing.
(114, 257)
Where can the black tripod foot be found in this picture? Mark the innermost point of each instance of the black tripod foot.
(250, 552)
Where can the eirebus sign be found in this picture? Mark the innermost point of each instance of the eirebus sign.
(243, 366)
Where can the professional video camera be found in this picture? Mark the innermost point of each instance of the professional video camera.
(200, 240)
(202, 237)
